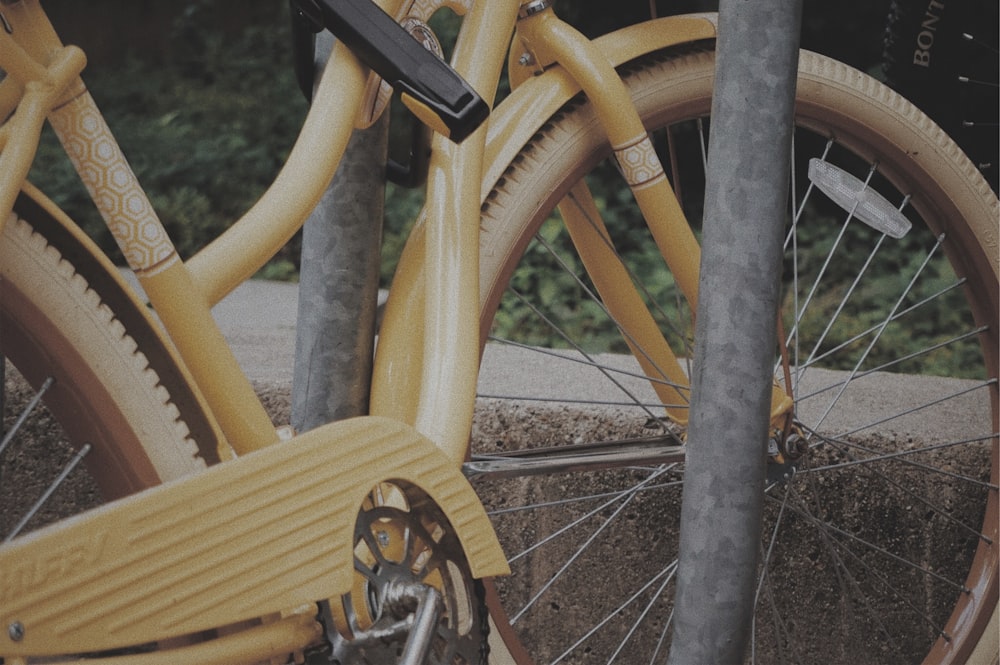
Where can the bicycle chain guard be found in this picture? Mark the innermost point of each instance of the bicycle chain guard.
(257, 535)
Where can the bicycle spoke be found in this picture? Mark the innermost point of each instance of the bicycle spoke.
(800, 312)
(585, 497)
(867, 311)
(916, 409)
(25, 413)
(669, 571)
(902, 455)
(49, 491)
(595, 299)
(585, 359)
(792, 240)
(640, 284)
(656, 596)
(846, 577)
(825, 528)
(899, 456)
(618, 496)
(588, 359)
(763, 581)
(910, 356)
(864, 355)
(628, 496)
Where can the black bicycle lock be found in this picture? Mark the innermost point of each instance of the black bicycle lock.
(429, 87)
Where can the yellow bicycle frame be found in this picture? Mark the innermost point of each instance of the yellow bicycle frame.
(424, 384)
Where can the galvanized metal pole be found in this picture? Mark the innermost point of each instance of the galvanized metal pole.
(745, 211)
(338, 283)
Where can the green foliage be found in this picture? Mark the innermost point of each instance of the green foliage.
(401, 211)
(205, 132)
(927, 311)
(280, 270)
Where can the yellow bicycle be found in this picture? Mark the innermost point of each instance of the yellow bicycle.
(389, 538)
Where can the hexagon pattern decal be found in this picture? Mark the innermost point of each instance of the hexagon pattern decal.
(113, 186)
(638, 162)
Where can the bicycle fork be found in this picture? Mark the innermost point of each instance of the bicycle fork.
(547, 40)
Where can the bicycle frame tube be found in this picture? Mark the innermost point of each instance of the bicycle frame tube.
(239, 252)
(184, 294)
(435, 329)
(40, 74)
(399, 355)
(550, 40)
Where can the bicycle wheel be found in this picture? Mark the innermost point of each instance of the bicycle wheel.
(879, 542)
(67, 340)
(943, 58)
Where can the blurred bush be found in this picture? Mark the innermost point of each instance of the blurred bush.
(202, 97)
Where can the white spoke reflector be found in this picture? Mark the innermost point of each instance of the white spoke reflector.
(858, 199)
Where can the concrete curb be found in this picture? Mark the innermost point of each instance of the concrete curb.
(258, 319)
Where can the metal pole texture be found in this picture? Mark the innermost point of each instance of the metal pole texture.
(745, 210)
(338, 283)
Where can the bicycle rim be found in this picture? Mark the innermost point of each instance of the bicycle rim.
(879, 541)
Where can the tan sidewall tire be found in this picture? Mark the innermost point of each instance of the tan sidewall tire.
(870, 119)
(105, 394)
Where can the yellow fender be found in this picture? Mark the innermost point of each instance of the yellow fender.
(267, 532)
(535, 99)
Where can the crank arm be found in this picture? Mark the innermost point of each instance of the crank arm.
(417, 629)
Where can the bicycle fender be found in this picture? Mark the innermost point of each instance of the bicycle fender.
(532, 102)
(105, 277)
(270, 531)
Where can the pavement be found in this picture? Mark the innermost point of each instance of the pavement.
(258, 319)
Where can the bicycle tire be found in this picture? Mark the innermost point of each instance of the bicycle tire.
(558, 593)
(57, 324)
(942, 57)
(62, 318)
